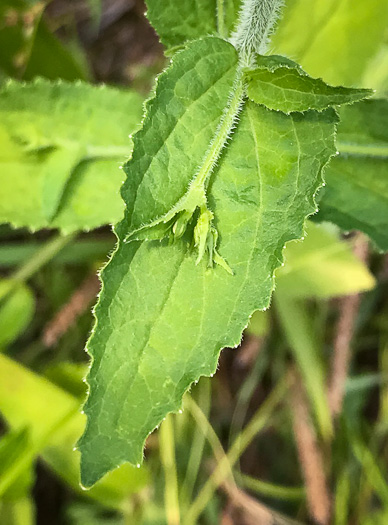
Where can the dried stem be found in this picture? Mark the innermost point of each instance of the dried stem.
(310, 455)
(73, 309)
(349, 307)
(252, 510)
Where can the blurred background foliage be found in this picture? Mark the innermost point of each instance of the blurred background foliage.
(286, 432)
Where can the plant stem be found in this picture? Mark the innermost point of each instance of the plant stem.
(221, 27)
(256, 23)
(200, 434)
(39, 259)
(167, 450)
(266, 489)
(221, 472)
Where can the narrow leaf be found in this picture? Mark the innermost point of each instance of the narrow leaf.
(281, 84)
(356, 196)
(64, 142)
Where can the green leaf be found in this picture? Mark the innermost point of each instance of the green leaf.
(178, 22)
(281, 84)
(356, 195)
(333, 39)
(322, 266)
(168, 316)
(15, 465)
(16, 312)
(54, 422)
(64, 142)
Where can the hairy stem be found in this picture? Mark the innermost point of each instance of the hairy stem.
(256, 24)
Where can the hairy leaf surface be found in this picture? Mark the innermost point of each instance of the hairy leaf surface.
(168, 317)
(178, 22)
(64, 143)
(281, 84)
(356, 195)
(333, 39)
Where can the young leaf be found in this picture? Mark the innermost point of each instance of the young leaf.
(330, 39)
(63, 142)
(356, 195)
(281, 84)
(178, 22)
(170, 317)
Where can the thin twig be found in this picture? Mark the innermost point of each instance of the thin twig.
(349, 307)
(78, 304)
(310, 456)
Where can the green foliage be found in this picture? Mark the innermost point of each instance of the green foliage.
(322, 266)
(28, 48)
(16, 311)
(53, 421)
(208, 164)
(225, 169)
(66, 153)
(177, 22)
(356, 196)
(330, 38)
(281, 84)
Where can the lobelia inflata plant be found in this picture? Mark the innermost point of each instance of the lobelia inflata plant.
(223, 173)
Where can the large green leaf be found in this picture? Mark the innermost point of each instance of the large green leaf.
(281, 84)
(162, 318)
(333, 39)
(356, 195)
(54, 422)
(178, 22)
(64, 142)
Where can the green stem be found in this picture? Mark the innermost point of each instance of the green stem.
(200, 434)
(107, 152)
(363, 150)
(221, 27)
(270, 490)
(208, 432)
(221, 472)
(256, 23)
(222, 133)
(40, 259)
(167, 451)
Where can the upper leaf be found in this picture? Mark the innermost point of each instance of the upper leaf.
(281, 84)
(63, 142)
(180, 130)
(168, 316)
(178, 22)
(356, 195)
(330, 39)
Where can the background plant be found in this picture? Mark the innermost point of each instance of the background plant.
(86, 166)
